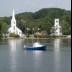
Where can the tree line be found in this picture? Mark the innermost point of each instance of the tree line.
(43, 19)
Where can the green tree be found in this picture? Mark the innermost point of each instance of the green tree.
(65, 27)
(4, 28)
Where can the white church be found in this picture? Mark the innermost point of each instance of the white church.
(13, 28)
(56, 30)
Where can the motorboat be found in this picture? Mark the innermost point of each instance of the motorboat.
(36, 46)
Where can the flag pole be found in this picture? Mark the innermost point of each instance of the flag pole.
(32, 36)
(27, 35)
(27, 32)
(37, 35)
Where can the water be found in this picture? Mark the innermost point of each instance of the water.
(56, 58)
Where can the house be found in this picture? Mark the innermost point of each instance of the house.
(56, 30)
(37, 33)
(43, 32)
(13, 28)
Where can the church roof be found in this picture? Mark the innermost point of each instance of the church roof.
(9, 26)
(13, 16)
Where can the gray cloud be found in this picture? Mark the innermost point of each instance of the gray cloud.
(6, 6)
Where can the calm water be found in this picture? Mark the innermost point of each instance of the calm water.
(56, 58)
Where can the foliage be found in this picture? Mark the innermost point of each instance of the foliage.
(46, 36)
(35, 36)
(66, 28)
(5, 36)
(14, 35)
(39, 36)
(43, 19)
(1, 36)
(43, 36)
(4, 28)
(27, 36)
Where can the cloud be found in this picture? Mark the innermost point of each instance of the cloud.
(30, 3)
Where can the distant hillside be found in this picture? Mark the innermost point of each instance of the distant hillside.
(44, 19)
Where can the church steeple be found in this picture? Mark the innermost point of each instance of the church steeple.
(13, 16)
(13, 20)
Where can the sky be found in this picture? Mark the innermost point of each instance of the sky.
(6, 6)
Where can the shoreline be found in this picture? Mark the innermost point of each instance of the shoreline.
(34, 38)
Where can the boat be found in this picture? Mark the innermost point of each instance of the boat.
(36, 46)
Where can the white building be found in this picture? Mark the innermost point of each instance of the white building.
(56, 30)
(13, 28)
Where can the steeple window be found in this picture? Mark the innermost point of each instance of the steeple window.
(56, 27)
(14, 27)
(56, 21)
(14, 22)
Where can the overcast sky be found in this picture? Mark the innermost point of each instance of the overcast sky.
(6, 6)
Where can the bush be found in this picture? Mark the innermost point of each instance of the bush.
(1, 36)
(53, 36)
(42, 36)
(14, 35)
(46, 36)
(5, 36)
(39, 36)
(27, 36)
(35, 36)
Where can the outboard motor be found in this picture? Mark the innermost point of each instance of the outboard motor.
(25, 47)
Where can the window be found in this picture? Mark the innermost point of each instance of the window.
(56, 21)
(19, 32)
(56, 26)
(14, 27)
(16, 31)
(14, 22)
(10, 31)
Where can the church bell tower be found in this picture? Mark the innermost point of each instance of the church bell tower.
(13, 21)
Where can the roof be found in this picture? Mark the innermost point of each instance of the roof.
(9, 26)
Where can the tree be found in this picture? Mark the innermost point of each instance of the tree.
(65, 27)
(4, 28)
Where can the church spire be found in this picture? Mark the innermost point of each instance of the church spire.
(13, 16)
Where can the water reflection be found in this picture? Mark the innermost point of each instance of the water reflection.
(37, 54)
(14, 44)
(37, 58)
(57, 54)
(57, 44)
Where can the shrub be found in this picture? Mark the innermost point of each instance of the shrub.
(46, 36)
(1, 36)
(16, 36)
(53, 36)
(39, 36)
(12, 34)
(27, 36)
(42, 36)
(35, 36)
(5, 36)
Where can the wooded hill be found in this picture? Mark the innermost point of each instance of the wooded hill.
(43, 19)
